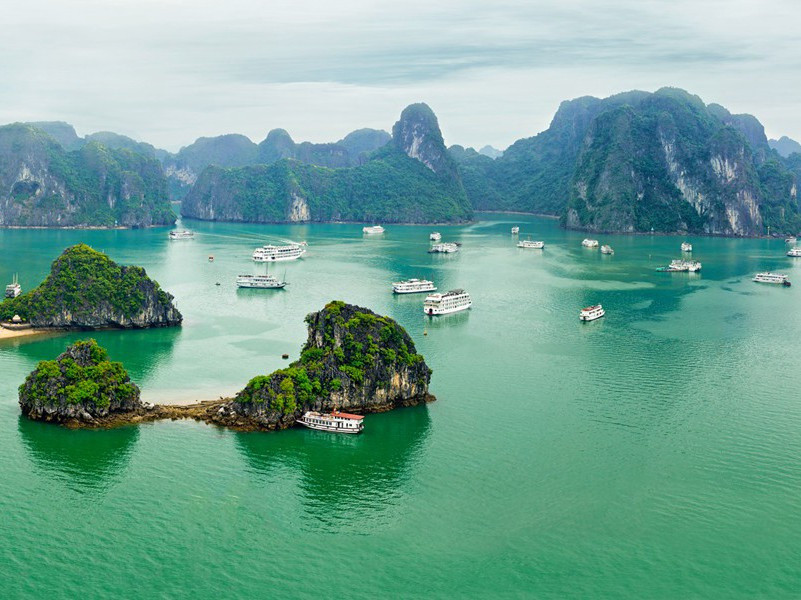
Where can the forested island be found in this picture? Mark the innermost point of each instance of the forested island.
(633, 162)
(353, 359)
(87, 290)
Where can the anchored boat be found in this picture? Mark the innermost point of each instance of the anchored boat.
(587, 243)
(269, 282)
(530, 244)
(13, 289)
(449, 302)
(775, 278)
(272, 253)
(686, 247)
(413, 286)
(445, 248)
(373, 229)
(591, 313)
(435, 236)
(607, 249)
(181, 235)
(337, 422)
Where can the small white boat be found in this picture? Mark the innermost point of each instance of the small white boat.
(373, 229)
(794, 252)
(591, 313)
(13, 289)
(515, 230)
(530, 244)
(449, 302)
(413, 286)
(607, 249)
(337, 422)
(775, 278)
(435, 236)
(686, 247)
(259, 281)
(181, 235)
(587, 243)
(790, 240)
(272, 253)
(678, 265)
(445, 248)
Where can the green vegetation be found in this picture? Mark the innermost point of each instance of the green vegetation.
(354, 339)
(81, 282)
(91, 186)
(637, 161)
(81, 375)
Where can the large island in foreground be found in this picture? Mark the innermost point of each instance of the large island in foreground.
(87, 290)
(353, 359)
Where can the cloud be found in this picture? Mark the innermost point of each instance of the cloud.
(170, 71)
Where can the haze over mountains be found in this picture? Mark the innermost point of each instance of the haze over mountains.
(631, 162)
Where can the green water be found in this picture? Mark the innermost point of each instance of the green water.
(651, 454)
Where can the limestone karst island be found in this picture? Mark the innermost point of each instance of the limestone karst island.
(400, 300)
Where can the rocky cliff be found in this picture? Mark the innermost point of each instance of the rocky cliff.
(87, 290)
(80, 387)
(412, 180)
(637, 161)
(42, 184)
(353, 360)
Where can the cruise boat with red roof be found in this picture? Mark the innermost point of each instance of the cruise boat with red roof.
(591, 313)
(335, 421)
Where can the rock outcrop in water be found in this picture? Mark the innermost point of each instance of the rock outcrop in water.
(80, 387)
(87, 290)
(353, 360)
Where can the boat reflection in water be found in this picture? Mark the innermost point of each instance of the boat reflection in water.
(343, 478)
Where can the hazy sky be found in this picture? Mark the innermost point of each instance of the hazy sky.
(169, 71)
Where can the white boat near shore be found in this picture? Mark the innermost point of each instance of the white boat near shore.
(181, 235)
(530, 244)
(605, 249)
(444, 248)
(338, 422)
(515, 230)
(373, 229)
(795, 252)
(587, 243)
(686, 247)
(435, 236)
(13, 289)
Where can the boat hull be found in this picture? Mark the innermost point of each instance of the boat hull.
(396, 291)
(251, 286)
(587, 318)
(329, 428)
(433, 312)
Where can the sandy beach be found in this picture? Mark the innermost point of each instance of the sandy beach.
(10, 334)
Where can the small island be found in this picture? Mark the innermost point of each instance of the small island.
(353, 359)
(87, 290)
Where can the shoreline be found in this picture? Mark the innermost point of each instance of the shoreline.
(24, 332)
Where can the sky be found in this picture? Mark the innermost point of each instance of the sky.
(494, 71)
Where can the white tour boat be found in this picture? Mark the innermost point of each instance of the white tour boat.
(449, 302)
(794, 251)
(271, 253)
(338, 422)
(515, 230)
(776, 278)
(13, 289)
(591, 313)
(605, 249)
(590, 243)
(181, 235)
(686, 247)
(445, 248)
(373, 229)
(530, 244)
(435, 236)
(413, 286)
(790, 240)
(681, 265)
(269, 282)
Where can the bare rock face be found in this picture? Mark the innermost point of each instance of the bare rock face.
(353, 360)
(87, 290)
(80, 387)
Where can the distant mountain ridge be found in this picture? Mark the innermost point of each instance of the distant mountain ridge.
(785, 146)
(412, 179)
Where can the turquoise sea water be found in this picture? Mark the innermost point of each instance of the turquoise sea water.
(651, 454)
